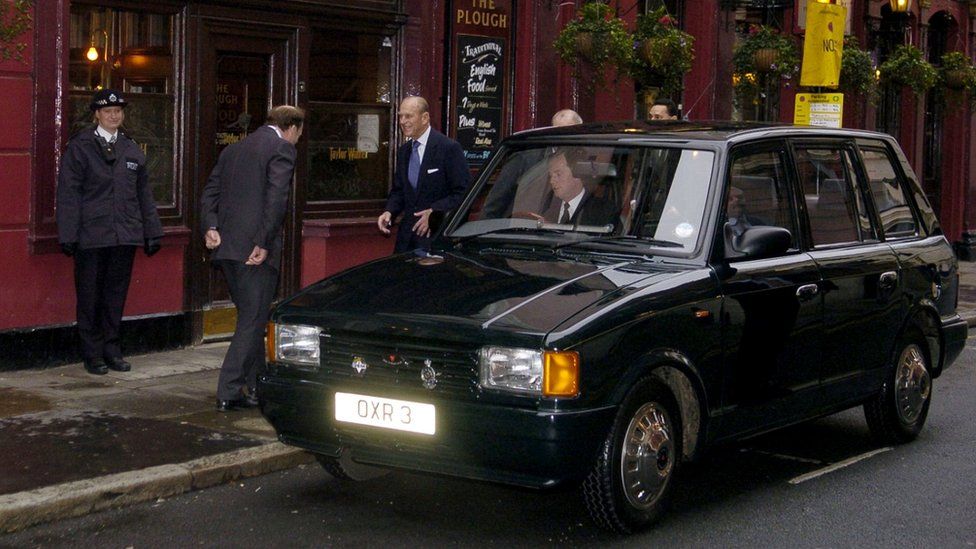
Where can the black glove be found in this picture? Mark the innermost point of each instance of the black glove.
(151, 246)
(69, 248)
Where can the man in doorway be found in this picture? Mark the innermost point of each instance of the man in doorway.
(522, 186)
(242, 209)
(431, 174)
(663, 109)
(105, 211)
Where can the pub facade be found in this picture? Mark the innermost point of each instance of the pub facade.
(200, 74)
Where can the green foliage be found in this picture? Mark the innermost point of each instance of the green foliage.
(611, 44)
(957, 77)
(762, 37)
(857, 72)
(908, 67)
(15, 20)
(664, 53)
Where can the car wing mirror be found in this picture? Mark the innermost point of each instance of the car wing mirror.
(758, 242)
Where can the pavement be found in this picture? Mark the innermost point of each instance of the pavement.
(74, 443)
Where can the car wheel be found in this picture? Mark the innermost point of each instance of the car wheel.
(344, 468)
(630, 484)
(896, 415)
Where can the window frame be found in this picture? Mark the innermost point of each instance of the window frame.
(908, 190)
(863, 203)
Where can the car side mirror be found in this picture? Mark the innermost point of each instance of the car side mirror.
(758, 242)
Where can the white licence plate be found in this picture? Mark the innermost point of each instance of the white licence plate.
(388, 413)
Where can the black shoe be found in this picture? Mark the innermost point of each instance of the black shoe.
(118, 364)
(229, 405)
(95, 367)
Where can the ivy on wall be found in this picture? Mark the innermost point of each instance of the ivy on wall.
(15, 20)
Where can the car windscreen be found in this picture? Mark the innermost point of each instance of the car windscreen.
(653, 195)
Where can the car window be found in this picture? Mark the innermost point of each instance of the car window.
(756, 195)
(651, 192)
(836, 212)
(888, 195)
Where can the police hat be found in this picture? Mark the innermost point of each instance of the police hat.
(106, 98)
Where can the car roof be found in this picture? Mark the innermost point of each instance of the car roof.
(683, 130)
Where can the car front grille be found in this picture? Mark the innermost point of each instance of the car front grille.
(400, 364)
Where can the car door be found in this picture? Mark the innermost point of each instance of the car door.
(771, 307)
(860, 285)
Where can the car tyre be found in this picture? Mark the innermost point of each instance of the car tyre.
(344, 468)
(896, 415)
(631, 482)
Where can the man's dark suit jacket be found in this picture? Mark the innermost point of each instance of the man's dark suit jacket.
(247, 194)
(592, 210)
(441, 185)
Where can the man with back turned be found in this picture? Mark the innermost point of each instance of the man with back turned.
(242, 211)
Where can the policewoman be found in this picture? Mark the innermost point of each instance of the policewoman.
(105, 211)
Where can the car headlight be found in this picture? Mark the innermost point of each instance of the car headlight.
(545, 373)
(294, 344)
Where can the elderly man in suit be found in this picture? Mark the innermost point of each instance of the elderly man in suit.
(431, 174)
(243, 209)
(574, 204)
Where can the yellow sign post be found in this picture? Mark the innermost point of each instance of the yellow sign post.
(819, 109)
(823, 44)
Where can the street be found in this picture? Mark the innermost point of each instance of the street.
(820, 484)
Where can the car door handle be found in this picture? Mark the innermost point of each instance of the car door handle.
(888, 280)
(807, 292)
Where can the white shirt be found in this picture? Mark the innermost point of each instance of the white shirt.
(573, 204)
(110, 137)
(277, 130)
(423, 144)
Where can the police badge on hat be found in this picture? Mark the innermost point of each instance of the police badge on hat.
(107, 98)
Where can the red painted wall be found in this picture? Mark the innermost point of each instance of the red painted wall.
(38, 289)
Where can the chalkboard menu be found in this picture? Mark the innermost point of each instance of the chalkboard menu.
(480, 81)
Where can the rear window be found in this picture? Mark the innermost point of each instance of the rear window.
(888, 194)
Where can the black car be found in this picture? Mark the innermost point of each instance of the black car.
(611, 300)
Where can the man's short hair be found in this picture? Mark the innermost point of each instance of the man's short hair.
(667, 102)
(421, 102)
(286, 116)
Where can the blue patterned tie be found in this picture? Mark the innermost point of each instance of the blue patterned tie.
(413, 170)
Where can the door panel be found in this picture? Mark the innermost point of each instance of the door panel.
(772, 341)
(242, 75)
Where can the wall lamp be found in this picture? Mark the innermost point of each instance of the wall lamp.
(92, 53)
(900, 6)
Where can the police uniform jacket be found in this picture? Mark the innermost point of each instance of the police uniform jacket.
(102, 203)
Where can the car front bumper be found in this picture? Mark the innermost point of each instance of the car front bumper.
(476, 440)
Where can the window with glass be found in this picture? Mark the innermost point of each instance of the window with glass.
(757, 195)
(830, 190)
(888, 195)
(348, 127)
(596, 194)
(130, 51)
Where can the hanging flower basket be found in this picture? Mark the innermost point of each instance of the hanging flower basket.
(584, 45)
(907, 67)
(956, 79)
(765, 59)
(663, 53)
(595, 38)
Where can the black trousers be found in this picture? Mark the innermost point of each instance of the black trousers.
(252, 289)
(102, 278)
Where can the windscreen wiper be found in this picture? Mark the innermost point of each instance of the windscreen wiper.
(624, 240)
(462, 239)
